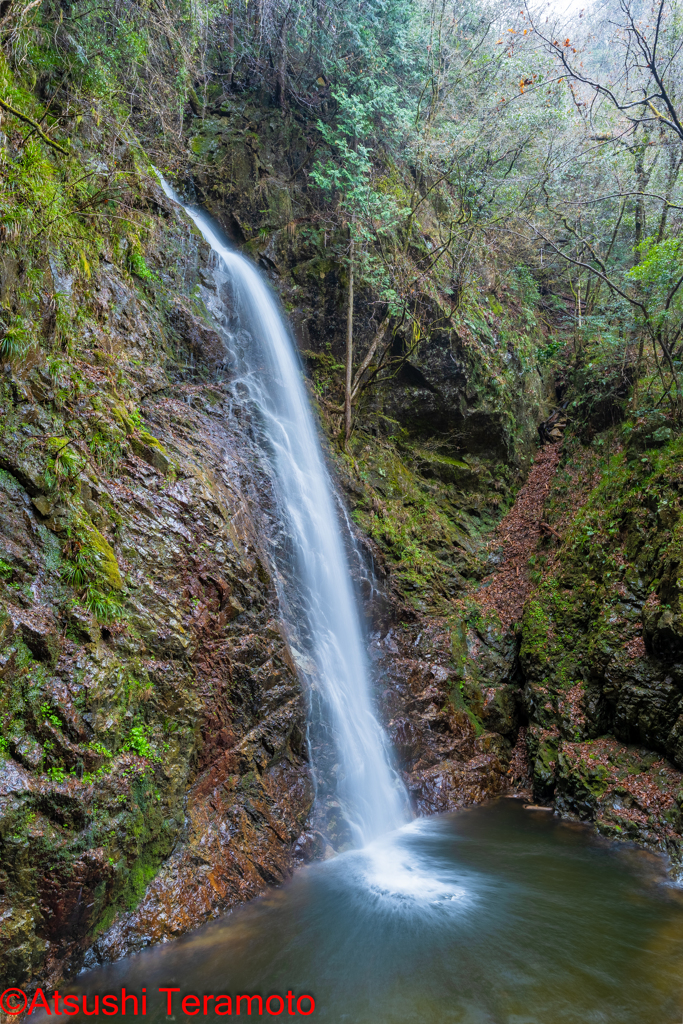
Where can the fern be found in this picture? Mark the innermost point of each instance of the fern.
(104, 607)
(15, 340)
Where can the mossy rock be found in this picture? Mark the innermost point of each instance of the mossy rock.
(107, 559)
(449, 471)
(147, 448)
(533, 652)
(543, 748)
(653, 430)
(499, 711)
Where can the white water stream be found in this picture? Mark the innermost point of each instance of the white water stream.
(490, 915)
(371, 796)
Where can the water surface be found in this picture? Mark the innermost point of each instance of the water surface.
(495, 915)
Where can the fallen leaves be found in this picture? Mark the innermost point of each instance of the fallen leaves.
(635, 648)
(507, 588)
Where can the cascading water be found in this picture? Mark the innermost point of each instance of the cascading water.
(490, 915)
(372, 799)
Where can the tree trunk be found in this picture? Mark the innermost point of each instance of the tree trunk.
(675, 161)
(231, 44)
(282, 64)
(349, 351)
(642, 179)
(379, 334)
(639, 370)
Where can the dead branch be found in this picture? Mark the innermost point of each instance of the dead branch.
(36, 127)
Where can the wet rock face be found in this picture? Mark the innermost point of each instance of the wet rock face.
(153, 766)
(630, 792)
(603, 676)
(437, 395)
(447, 759)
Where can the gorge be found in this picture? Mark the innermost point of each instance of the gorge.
(336, 515)
(270, 375)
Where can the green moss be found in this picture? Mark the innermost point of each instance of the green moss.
(122, 417)
(621, 542)
(141, 873)
(106, 560)
(536, 628)
(152, 441)
(543, 751)
(431, 542)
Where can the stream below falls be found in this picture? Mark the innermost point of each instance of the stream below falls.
(494, 915)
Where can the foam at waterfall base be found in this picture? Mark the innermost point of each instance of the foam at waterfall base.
(401, 870)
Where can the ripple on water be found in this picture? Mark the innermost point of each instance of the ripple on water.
(490, 916)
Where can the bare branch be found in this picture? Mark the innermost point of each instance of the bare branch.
(34, 124)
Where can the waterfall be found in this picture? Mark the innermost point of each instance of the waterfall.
(371, 797)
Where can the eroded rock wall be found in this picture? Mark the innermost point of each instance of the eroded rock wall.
(600, 646)
(155, 768)
(151, 712)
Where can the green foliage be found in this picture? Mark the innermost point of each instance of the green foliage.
(138, 741)
(42, 204)
(136, 262)
(99, 748)
(107, 449)
(550, 351)
(660, 263)
(89, 566)
(6, 570)
(526, 286)
(64, 463)
(80, 566)
(658, 273)
(106, 607)
(48, 715)
(347, 176)
(15, 337)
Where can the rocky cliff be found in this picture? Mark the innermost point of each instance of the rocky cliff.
(154, 764)
(522, 604)
(153, 725)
